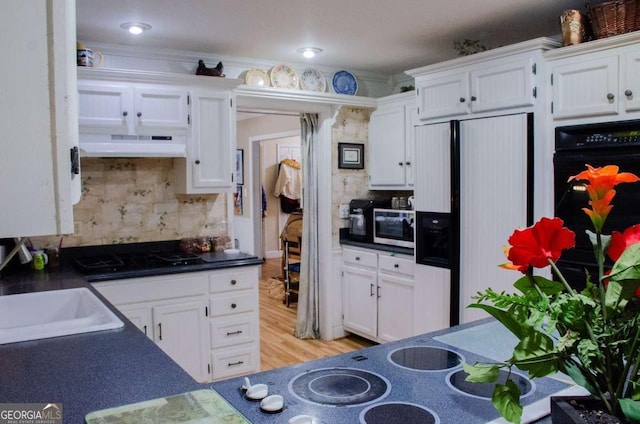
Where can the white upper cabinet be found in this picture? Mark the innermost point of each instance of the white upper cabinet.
(443, 95)
(503, 79)
(599, 79)
(128, 109)
(211, 148)
(39, 119)
(391, 143)
(501, 84)
(585, 88)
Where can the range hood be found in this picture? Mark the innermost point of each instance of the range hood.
(105, 145)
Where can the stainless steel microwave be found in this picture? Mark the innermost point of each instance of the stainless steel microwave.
(394, 227)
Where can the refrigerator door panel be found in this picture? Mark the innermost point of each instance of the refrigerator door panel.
(493, 202)
(432, 187)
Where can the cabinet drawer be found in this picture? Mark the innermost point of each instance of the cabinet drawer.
(230, 362)
(227, 281)
(232, 303)
(360, 258)
(233, 330)
(395, 265)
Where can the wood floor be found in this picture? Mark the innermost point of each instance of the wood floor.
(278, 346)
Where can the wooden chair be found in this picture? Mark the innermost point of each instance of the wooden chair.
(291, 242)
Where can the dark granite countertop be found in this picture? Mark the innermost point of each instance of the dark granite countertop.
(346, 240)
(91, 371)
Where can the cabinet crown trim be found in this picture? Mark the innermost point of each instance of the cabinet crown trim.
(594, 46)
(542, 43)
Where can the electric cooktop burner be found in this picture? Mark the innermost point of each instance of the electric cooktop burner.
(339, 386)
(425, 358)
(456, 380)
(398, 413)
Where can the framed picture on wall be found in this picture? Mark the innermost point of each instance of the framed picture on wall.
(350, 156)
(237, 201)
(240, 166)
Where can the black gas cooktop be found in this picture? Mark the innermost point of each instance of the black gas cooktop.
(133, 261)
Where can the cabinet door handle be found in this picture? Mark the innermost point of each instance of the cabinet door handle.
(610, 96)
(378, 291)
(139, 114)
(160, 330)
(197, 162)
(628, 93)
(233, 282)
(75, 160)
(145, 330)
(474, 98)
(232, 333)
(125, 113)
(462, 100)
(370, 289)
(233, 306)
(232, 364)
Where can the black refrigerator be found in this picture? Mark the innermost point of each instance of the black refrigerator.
(477, 174)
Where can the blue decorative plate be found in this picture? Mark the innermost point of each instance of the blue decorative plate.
(345, 83)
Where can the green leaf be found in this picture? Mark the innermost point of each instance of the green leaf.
(479, 373)
(519, 330)
(536, 353)
(547, 286)
(630, 409)
(576, 375)
(627, 267)
(619, 293)
(506, 399)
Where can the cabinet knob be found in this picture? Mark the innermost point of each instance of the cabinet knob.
(628, 93)
(400, 163)
(357, 258)
(125, 113)
(139, 114)
(408, 163)
(474, 98)
(462, 100)
(197, 162)
(396, 266)
(234, 306)
(610, 96)
(233, 282)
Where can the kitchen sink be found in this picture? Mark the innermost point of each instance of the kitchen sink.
(41, 315)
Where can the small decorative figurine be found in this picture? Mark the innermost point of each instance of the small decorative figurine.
(213, 72)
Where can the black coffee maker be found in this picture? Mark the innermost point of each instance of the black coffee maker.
(361, 218)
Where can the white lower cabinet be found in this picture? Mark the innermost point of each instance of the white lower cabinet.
(377, 295)
(234, 325)
(207, 322)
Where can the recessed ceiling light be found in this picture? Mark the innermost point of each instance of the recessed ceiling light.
(309, 52)
(135, 28)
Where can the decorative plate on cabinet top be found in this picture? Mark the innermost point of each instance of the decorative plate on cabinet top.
(312, 80)
(257, 78)
(345, 83)
(283, 76)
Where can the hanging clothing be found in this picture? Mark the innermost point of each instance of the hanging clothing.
(289, 185)
(289, 182)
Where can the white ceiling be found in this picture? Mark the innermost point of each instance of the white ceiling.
(383, 36)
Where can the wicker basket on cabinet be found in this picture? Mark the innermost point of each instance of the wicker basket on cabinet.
(614, 17)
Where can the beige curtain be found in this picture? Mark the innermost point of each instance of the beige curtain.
(308, 321)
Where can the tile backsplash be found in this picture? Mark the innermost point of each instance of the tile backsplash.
(129, 200)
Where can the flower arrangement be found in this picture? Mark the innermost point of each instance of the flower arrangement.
(593, 335)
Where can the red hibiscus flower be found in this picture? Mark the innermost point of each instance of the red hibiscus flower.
(536, 245)
(620, 241)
